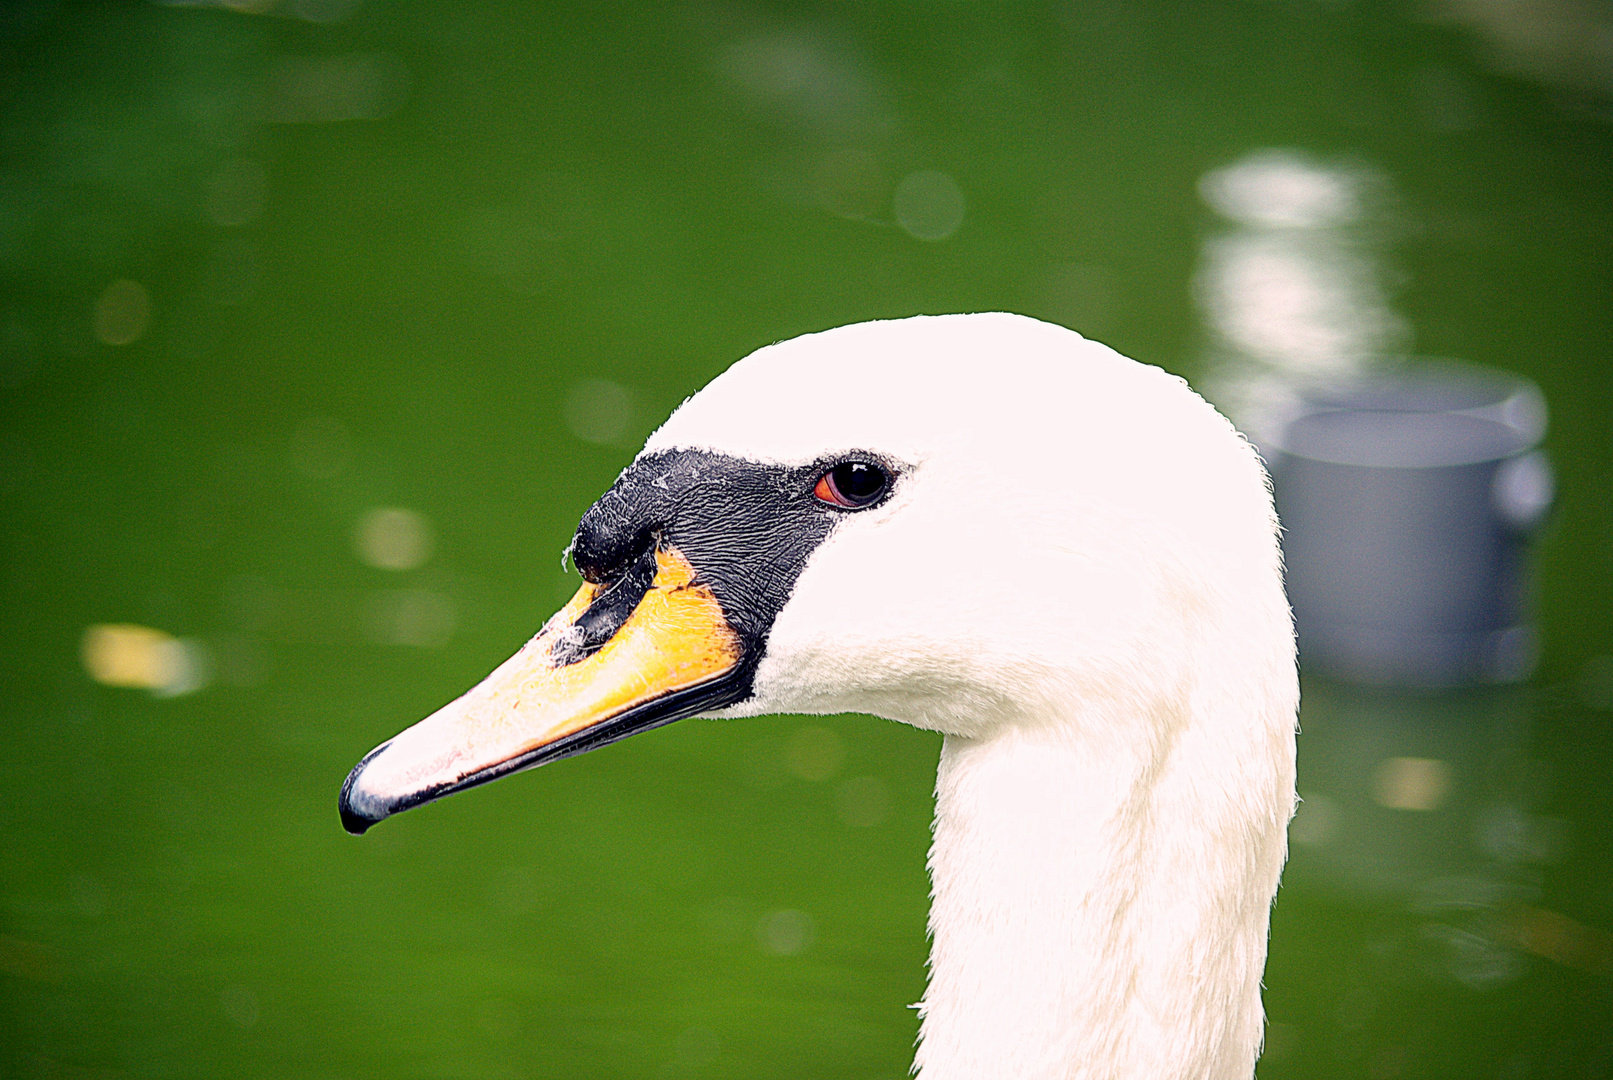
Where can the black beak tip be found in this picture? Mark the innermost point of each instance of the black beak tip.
(356, 821)
(355, 824)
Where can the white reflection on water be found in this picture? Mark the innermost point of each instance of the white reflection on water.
(1295, 289)
(1296, 303)
(1277, 189)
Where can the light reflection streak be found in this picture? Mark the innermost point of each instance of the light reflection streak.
(1556, 937)
(1559, 43)
(1295, 289)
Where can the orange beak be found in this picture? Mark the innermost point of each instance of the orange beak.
(664, 662)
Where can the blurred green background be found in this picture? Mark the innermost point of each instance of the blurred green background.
(323, 320)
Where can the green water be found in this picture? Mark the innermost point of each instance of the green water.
(376, 249)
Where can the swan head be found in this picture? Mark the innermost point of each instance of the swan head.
(957, 522)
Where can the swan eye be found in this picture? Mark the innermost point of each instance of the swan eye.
(851, 484)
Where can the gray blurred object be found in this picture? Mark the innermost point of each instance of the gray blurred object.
(1408, 501)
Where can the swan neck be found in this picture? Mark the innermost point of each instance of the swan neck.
(1095, 913)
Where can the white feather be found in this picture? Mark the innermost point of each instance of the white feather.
(1078, 581)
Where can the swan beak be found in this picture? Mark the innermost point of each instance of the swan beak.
(671, 657)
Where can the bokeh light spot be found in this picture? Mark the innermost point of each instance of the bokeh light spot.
(1411, 783)
(929, 205)
(144, 658)
(786, 932)
(419, 618)
(814, 753)
(393, 538)
(863, 802)
(598, 410)
(123, 313)
(1315, 821)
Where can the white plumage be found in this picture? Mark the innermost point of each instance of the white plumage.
(1078, 581)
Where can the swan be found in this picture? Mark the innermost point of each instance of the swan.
(988, 526)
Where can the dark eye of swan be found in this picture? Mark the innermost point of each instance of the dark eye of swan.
(852, 484)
